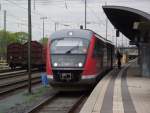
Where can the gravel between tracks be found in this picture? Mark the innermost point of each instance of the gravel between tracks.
(19, 103)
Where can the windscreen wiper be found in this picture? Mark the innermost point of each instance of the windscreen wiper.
(69, 51)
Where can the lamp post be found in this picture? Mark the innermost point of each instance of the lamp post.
(85, 13)
(34, 4)
(43, 18)
(29, 45)
(55, 25)
(4, 34)
(106, 27)
(106, 23)
(116, 42)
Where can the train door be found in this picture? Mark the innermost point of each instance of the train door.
(98, 55)
(105, 57)
(112, 56)
(108, 56)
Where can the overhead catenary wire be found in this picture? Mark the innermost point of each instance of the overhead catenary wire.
(21, 21)
(33, 12)
(25, 24)
(37, 13)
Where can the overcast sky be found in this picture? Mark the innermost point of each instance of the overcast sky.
(67, 13)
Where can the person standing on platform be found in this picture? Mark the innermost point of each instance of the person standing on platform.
(119, 56)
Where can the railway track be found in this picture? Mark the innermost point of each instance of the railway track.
(9, 70)
(12, 74)
(61, 103)
(15, 83)
(15, 73)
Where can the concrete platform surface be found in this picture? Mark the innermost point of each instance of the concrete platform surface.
(126, 92)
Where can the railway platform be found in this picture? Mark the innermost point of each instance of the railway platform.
(125, 92)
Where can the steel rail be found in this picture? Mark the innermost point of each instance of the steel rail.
(19, 86)
(9, 70)
(78, 104)
(5, 76)
(42, 103)
(17, 82)
(46, 103)
(14, 74)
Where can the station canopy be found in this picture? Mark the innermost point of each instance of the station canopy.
(133, 23)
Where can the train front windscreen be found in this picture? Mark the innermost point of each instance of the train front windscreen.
(69, 52)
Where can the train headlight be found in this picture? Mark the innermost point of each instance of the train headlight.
(80, 64)
(55, 64)
(11, 57)
(20, 57)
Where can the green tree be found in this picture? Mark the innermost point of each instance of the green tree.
(21, 37)
(7, 37)
(43, 41)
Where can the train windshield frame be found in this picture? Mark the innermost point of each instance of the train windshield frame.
(69, 45)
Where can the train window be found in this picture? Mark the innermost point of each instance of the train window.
(69, 46)
(98, 49)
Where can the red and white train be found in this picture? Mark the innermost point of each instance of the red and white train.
(77, 58)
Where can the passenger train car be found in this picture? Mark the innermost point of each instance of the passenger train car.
(77, 58)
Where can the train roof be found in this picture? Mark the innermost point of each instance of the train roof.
(84, 33)
(73, 33)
